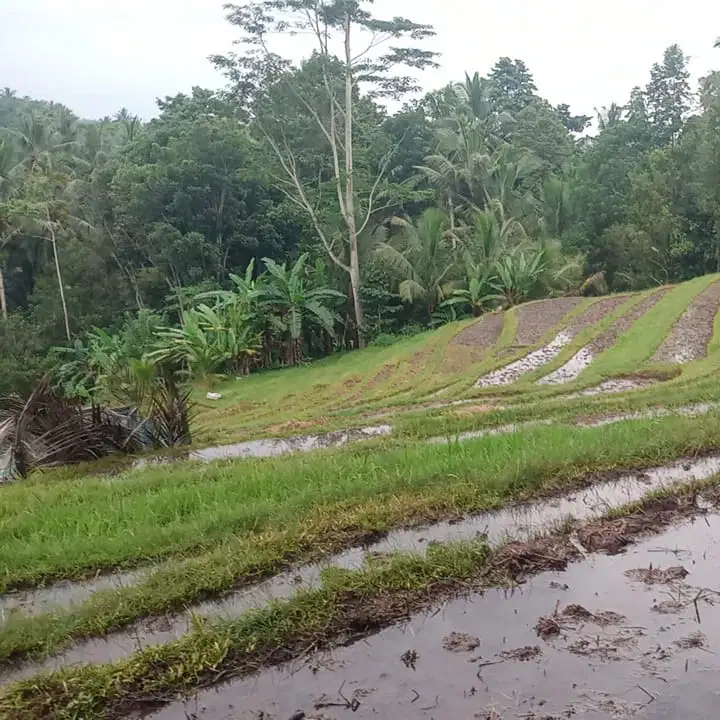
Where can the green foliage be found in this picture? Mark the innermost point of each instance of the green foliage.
(500, 201)
(207, 340)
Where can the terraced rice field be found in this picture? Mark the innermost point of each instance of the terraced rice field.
(512, 517)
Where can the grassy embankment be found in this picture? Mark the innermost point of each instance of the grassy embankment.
(352, 389)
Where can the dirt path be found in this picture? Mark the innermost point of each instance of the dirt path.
(691, 335)
(588, 640)
(536, 319)
(585, 356)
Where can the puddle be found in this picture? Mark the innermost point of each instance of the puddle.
(273, 447)
(67, 593)
(480, 657)
(521, 522)
(64, 593)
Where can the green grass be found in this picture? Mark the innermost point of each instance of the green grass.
(348, 604)
(67, 529)
(309, 521)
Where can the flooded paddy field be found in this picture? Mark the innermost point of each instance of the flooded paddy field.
(614, 636)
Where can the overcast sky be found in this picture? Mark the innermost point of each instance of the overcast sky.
(99, 55)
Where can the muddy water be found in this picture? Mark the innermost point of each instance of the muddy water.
(64, 593)
(272, 447)
(522, 521)
(644, 666)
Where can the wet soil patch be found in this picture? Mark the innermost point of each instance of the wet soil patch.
(595, 313)
(483, 334)
(510, 373)
(690, 337)
(536, 319)
(607, 339)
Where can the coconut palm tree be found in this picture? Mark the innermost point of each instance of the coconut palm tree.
(421, 255)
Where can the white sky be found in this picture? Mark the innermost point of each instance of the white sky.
(99, 55)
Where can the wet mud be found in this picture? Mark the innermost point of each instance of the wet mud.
(537, 319)
(521, 523)
(482, 334)
(610, 654)
(618, 385)
(510, 373)
(695, 410)
(585, 356)
(692, 333)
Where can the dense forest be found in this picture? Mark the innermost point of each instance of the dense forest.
(292, 214)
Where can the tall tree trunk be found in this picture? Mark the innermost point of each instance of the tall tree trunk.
(3, 299)
(53, 240)
(350, 190)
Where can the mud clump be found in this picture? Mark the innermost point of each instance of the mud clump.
(695, 641)
(656, 576)
(460, 642)
(604, 618)
(409, 659)
(523, 654)
(573, 616)
(547, 627)
(668, 607)
(519, 559)
(603, 539)
(605, 649)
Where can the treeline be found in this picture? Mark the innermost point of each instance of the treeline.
(292, 215)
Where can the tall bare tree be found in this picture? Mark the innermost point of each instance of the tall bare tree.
(353, 49)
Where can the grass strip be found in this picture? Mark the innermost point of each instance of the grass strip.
(350, 604)
(469, 478)
(451, 421)
(71, 529)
